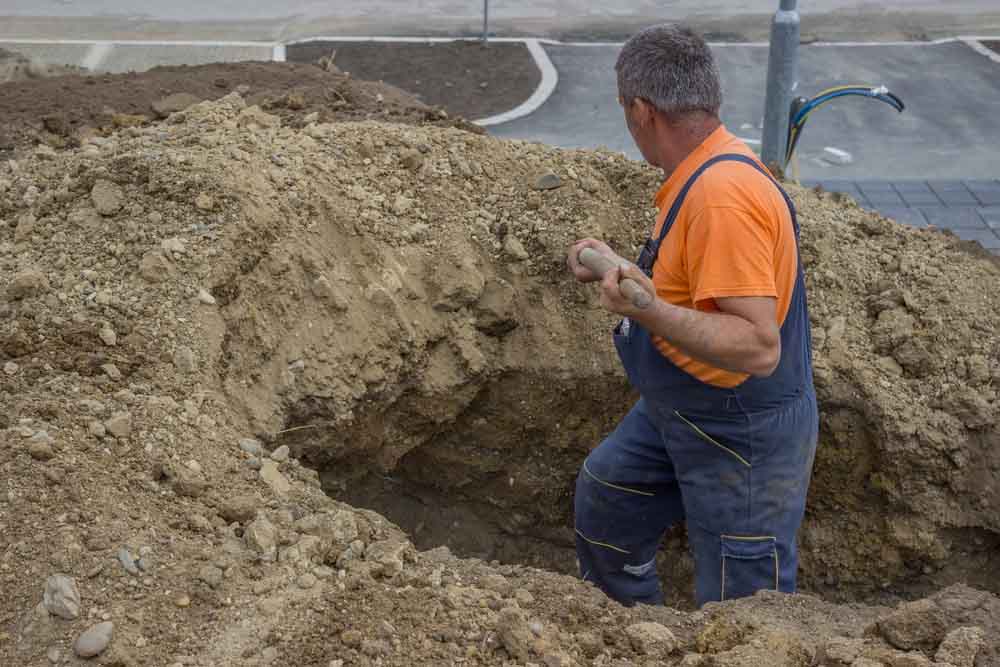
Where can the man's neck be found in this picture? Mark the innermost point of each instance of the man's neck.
(680, 139)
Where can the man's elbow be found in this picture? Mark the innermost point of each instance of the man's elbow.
(766, 360)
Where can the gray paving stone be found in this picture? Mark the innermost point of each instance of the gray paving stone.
(947, 186)
(958, 217)
(920, 198)
(905, 215)
(985, 237)
(887, 198)
(958, 198)
(976, 185)
(905, 187)
(991, 214)
(875, 186)
(987, 197)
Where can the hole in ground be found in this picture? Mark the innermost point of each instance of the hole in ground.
(491, 476)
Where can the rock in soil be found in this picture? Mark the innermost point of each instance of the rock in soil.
(61, 597)
(94, 640)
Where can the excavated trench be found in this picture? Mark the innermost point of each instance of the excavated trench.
(496, 483)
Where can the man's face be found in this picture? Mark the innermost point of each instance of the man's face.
(639, 121)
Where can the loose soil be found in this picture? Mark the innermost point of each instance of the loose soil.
(15, 67)
(60, 111)
(218, 328)
(464, 77)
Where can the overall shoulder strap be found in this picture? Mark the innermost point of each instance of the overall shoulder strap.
(675, 207)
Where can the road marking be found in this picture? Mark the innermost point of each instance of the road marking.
(544, 90)
(977, 46)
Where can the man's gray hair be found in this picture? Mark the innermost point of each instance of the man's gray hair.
(672, 68)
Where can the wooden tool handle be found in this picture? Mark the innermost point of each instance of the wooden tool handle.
(601, 263)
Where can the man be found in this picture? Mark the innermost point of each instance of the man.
(724, 432)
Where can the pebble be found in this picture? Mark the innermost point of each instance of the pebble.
(184, 360)
(204, 202)
(54, 655)
(107, 197)
(108, 336)
(26, 284)
(125, 558)
(10, 368)
(271, 476)
(548, 181)
(97, 429)
(280, 454)
(182, 601)
(239, 509)
(211, 575)
(307, 580)
(651, 639)
(514, 249)
(112, 372)
(262, 537)
(61, 597)
(120, 425)
(251, 446)
(94, 640)
(41, 450)
(205, 297)
(173, 245)
(412, 159)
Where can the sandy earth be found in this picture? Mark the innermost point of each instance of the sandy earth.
(217, 327)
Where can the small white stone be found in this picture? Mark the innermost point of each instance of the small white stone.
(280, 454)
(837, 156)
(10, 368)
(205, 297)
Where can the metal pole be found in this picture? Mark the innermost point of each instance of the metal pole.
(782, 81)
(486, 21)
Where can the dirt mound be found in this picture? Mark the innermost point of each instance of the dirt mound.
(205, 321)
(468, 78)
(15, 67)
(59, 112)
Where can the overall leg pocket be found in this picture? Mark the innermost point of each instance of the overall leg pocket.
(749, 564)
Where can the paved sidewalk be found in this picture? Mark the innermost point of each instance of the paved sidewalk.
(970, 208)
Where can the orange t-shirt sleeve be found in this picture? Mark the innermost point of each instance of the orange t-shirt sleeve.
(730, 252)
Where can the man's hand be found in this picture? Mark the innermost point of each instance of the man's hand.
(612, 297)
(581, 272)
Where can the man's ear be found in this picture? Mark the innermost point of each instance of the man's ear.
(643, 111)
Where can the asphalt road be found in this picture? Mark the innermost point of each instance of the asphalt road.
(948, 130)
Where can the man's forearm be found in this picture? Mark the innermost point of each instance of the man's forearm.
(721, 339)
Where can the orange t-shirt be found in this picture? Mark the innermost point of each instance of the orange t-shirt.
(733, 236)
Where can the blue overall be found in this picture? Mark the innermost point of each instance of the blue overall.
(734, 463)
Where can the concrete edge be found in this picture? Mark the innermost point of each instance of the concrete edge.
(550, 78)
